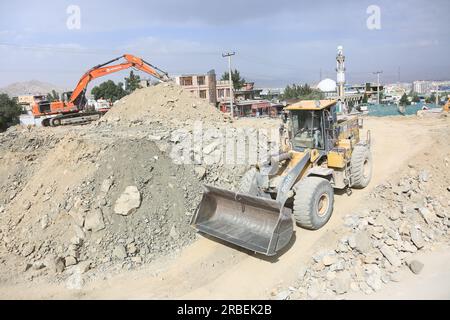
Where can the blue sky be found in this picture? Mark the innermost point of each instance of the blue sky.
(276, 42)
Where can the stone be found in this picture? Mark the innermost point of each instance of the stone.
(352, 241)
(374, 281)
(427, 215)
(83, 267)
(75, 281)
(354, 286)
(106, 185)
(38, 265)
(313, 291)
(173, 233)
(136, 259)
(77, 217)
(70, 261)
(59, 265)
(416, 266)
(341, 284)
(44, 221)
(120, 252)
(424, 175)
(200, 172)
(283, 295)
(408, 247)
(328, 260)
(128, 202)
(27, 250)
(79, 232)
(394, 215)
(371, 258)
(131, 248)
(2, 209)
(94, 221)
(363, 243)
(27, 205)
(391, 255)
(416, 237)
(331, 275)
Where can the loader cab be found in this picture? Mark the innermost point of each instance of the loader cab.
(311, 124)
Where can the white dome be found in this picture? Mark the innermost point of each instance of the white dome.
(327, 85)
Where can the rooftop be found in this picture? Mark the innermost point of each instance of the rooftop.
(311, 105)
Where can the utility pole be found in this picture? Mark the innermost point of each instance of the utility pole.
(378, 84)
(229, 54)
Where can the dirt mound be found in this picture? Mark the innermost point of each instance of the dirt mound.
(165, 102)
(61, 215)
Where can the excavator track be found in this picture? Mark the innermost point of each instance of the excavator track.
(71, 119)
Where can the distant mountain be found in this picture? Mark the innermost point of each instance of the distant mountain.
(32, 87)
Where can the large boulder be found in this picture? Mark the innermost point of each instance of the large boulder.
(128, 202)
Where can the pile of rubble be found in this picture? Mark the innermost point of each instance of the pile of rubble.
(108, 196)
(380, 240)
(165, 103)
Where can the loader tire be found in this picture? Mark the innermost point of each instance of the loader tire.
(313, 203)
(361, 167)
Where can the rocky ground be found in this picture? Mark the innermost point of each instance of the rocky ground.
(407, 215)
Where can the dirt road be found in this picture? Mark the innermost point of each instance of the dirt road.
(208, 269)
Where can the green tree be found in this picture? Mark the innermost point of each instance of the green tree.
(431, 99)
(53, 96)
(365, 98)
(404, 100)
(109, 90)
(304, 92)
(132, 82)
(415, 97)
(9, 112)
(238, 82)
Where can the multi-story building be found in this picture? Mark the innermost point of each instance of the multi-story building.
(205, 86)
(422, 86)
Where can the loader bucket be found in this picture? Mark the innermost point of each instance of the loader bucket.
(255, 223)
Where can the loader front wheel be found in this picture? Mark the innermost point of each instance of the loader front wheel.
(361, 167)
(313, 202)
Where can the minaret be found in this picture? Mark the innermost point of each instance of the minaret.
(340, 69)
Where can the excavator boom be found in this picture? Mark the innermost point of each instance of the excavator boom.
(105, 69)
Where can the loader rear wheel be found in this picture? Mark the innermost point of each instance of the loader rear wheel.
(361, 167)
(313, 203)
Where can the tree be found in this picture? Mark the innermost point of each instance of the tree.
(365, 98)
(9, 112)
(431, 99)
(415, 97)
(404, 100)
(53, 96)
(304, 92)
(132, 82)
(109, 90)
(238, 82)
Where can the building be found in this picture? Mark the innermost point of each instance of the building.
(247, 92)
(205, 86)
(270, 93)
(422, 86)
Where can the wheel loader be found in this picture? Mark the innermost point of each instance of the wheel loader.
(323, 151)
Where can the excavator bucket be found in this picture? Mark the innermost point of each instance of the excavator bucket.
(255, 223)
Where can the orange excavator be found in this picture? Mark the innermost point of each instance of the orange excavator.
(72, 107)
